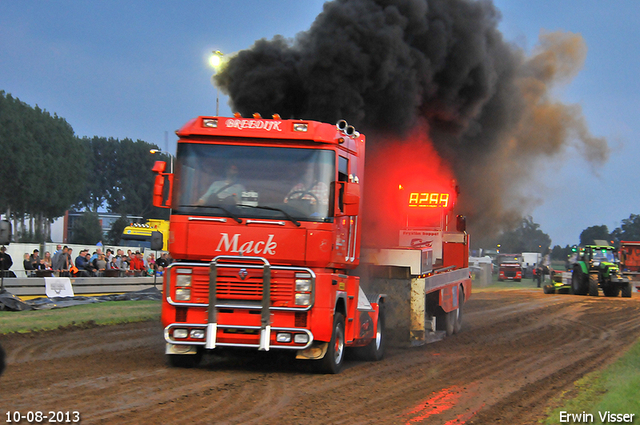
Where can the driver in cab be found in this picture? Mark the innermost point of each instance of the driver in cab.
(228, 189)
(309, 189)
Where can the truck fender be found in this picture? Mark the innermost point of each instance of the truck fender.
(341, 303)
(322, 318)
(448, 298)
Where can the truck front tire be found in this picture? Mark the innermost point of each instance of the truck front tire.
(333, 360)
(626, 290)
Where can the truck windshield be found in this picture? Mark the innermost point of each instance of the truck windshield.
(139, 241)
(254, 182)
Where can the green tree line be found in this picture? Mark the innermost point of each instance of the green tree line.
(47, 170)
(528, 237)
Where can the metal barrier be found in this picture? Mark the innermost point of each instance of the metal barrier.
(35, 286)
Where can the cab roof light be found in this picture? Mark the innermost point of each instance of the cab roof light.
(210, 123)
(300, 126)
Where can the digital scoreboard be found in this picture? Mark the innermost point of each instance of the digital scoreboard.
(429, 199)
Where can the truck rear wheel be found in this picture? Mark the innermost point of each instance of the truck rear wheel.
(626, 290)
(593, 285)
(446, 321)
(579, 285)
(334, 358)
(374, 351)
(458, 312)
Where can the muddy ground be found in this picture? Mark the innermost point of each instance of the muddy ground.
(519, 350)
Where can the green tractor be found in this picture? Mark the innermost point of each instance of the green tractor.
(598, 266)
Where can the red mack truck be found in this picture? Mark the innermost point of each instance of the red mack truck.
(265, 228)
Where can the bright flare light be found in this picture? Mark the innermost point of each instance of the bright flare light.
(216, 59)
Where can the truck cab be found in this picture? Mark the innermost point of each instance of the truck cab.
(510, 270)
(264, 227)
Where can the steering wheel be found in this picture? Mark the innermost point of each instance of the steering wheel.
(301, 193)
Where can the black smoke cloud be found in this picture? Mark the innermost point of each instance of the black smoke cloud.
(390, 66)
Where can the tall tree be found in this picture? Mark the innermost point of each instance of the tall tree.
(629, 230)
(43, 164)
(101, 171)
(115, 233)
(86, 229)
(593, 233)
(559, 253)
(133, 192)
(527, 237)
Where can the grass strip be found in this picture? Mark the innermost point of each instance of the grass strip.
(105, 313)
(613, 389)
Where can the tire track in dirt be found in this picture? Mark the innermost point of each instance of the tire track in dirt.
(519, 349)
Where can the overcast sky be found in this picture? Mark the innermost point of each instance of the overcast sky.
(140, 70)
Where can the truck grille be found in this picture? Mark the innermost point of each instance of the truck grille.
(231, 286)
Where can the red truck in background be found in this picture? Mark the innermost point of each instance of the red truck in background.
(510, 270)
(265, 227)
(630, 261)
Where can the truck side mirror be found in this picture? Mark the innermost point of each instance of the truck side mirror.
(159, 185)
(351, 198)
(157, 241)
(5, 232)
(461, 223)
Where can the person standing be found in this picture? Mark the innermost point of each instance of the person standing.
(60, 262)
(5, 262)
(34, 258)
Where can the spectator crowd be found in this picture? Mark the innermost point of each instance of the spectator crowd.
(89, 264)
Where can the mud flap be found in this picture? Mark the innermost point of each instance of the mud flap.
(180, 349)
(315, 352)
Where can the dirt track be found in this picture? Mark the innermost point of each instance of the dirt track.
(518, 350)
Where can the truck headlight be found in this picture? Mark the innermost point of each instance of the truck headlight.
(180, 333)
(283, 337)
(197, 333)
(303, 299)
(183, 280)
(301, 338)
(183, 294)
(303, 285)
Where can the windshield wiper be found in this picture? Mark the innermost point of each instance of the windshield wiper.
(213, 206)
(286, 214)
